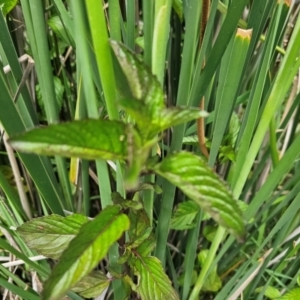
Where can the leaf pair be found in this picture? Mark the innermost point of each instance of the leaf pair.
(143, 98)
(79, 244)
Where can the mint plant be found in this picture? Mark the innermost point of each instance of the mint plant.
(79, 243)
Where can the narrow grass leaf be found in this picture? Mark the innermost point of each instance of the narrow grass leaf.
(27, 295)
(191, 174)
(161, 34)
(184, 215)
(89, 139)
(92, 285)
(153, 282)
(85, 251)
(229, 82)
(51, 235)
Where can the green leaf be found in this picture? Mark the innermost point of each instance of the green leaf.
(144, 100)
(147, 246)
(140, 228)
(153, 283)
(59, 91)
(59, 29)
(213, 282)
(51, 235)
(191, 140)
(270, 292)
(141, 94)
(234, 128)
(85, 251)
(200, 183)
(89, 139)
(177, 115)
(142, 83)
(141, 238)
(92, 285)
(184, 215)
(7, 5)
(291, 295)
(177, 6)
(150, 125)
(226, 153)
(193, 278)
(210, 232)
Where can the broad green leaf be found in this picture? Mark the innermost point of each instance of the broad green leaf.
(142, 83)
(150, 125)
(140, 228)
(210, 232)
(51, 235)
(177, 115)
(92, 285)
(226, 153)
(191, 140)
(118, 199)
(141, 94)
(59, 29)
(213, 282)
(150, 186)
(145, 99)
(270, 292)
(59, 91)
(85, 251)
(184, 215)
(140, 239)
(7, 5)
(193, 279)
(200, 183)
(147, 246)
(291, 295)
(234, 128)
(89, 139)
(153, 283)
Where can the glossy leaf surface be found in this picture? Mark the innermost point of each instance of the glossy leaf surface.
(89, 139)
(199, 182)
(85, 251)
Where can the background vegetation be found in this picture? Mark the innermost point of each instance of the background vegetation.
(57, 65)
